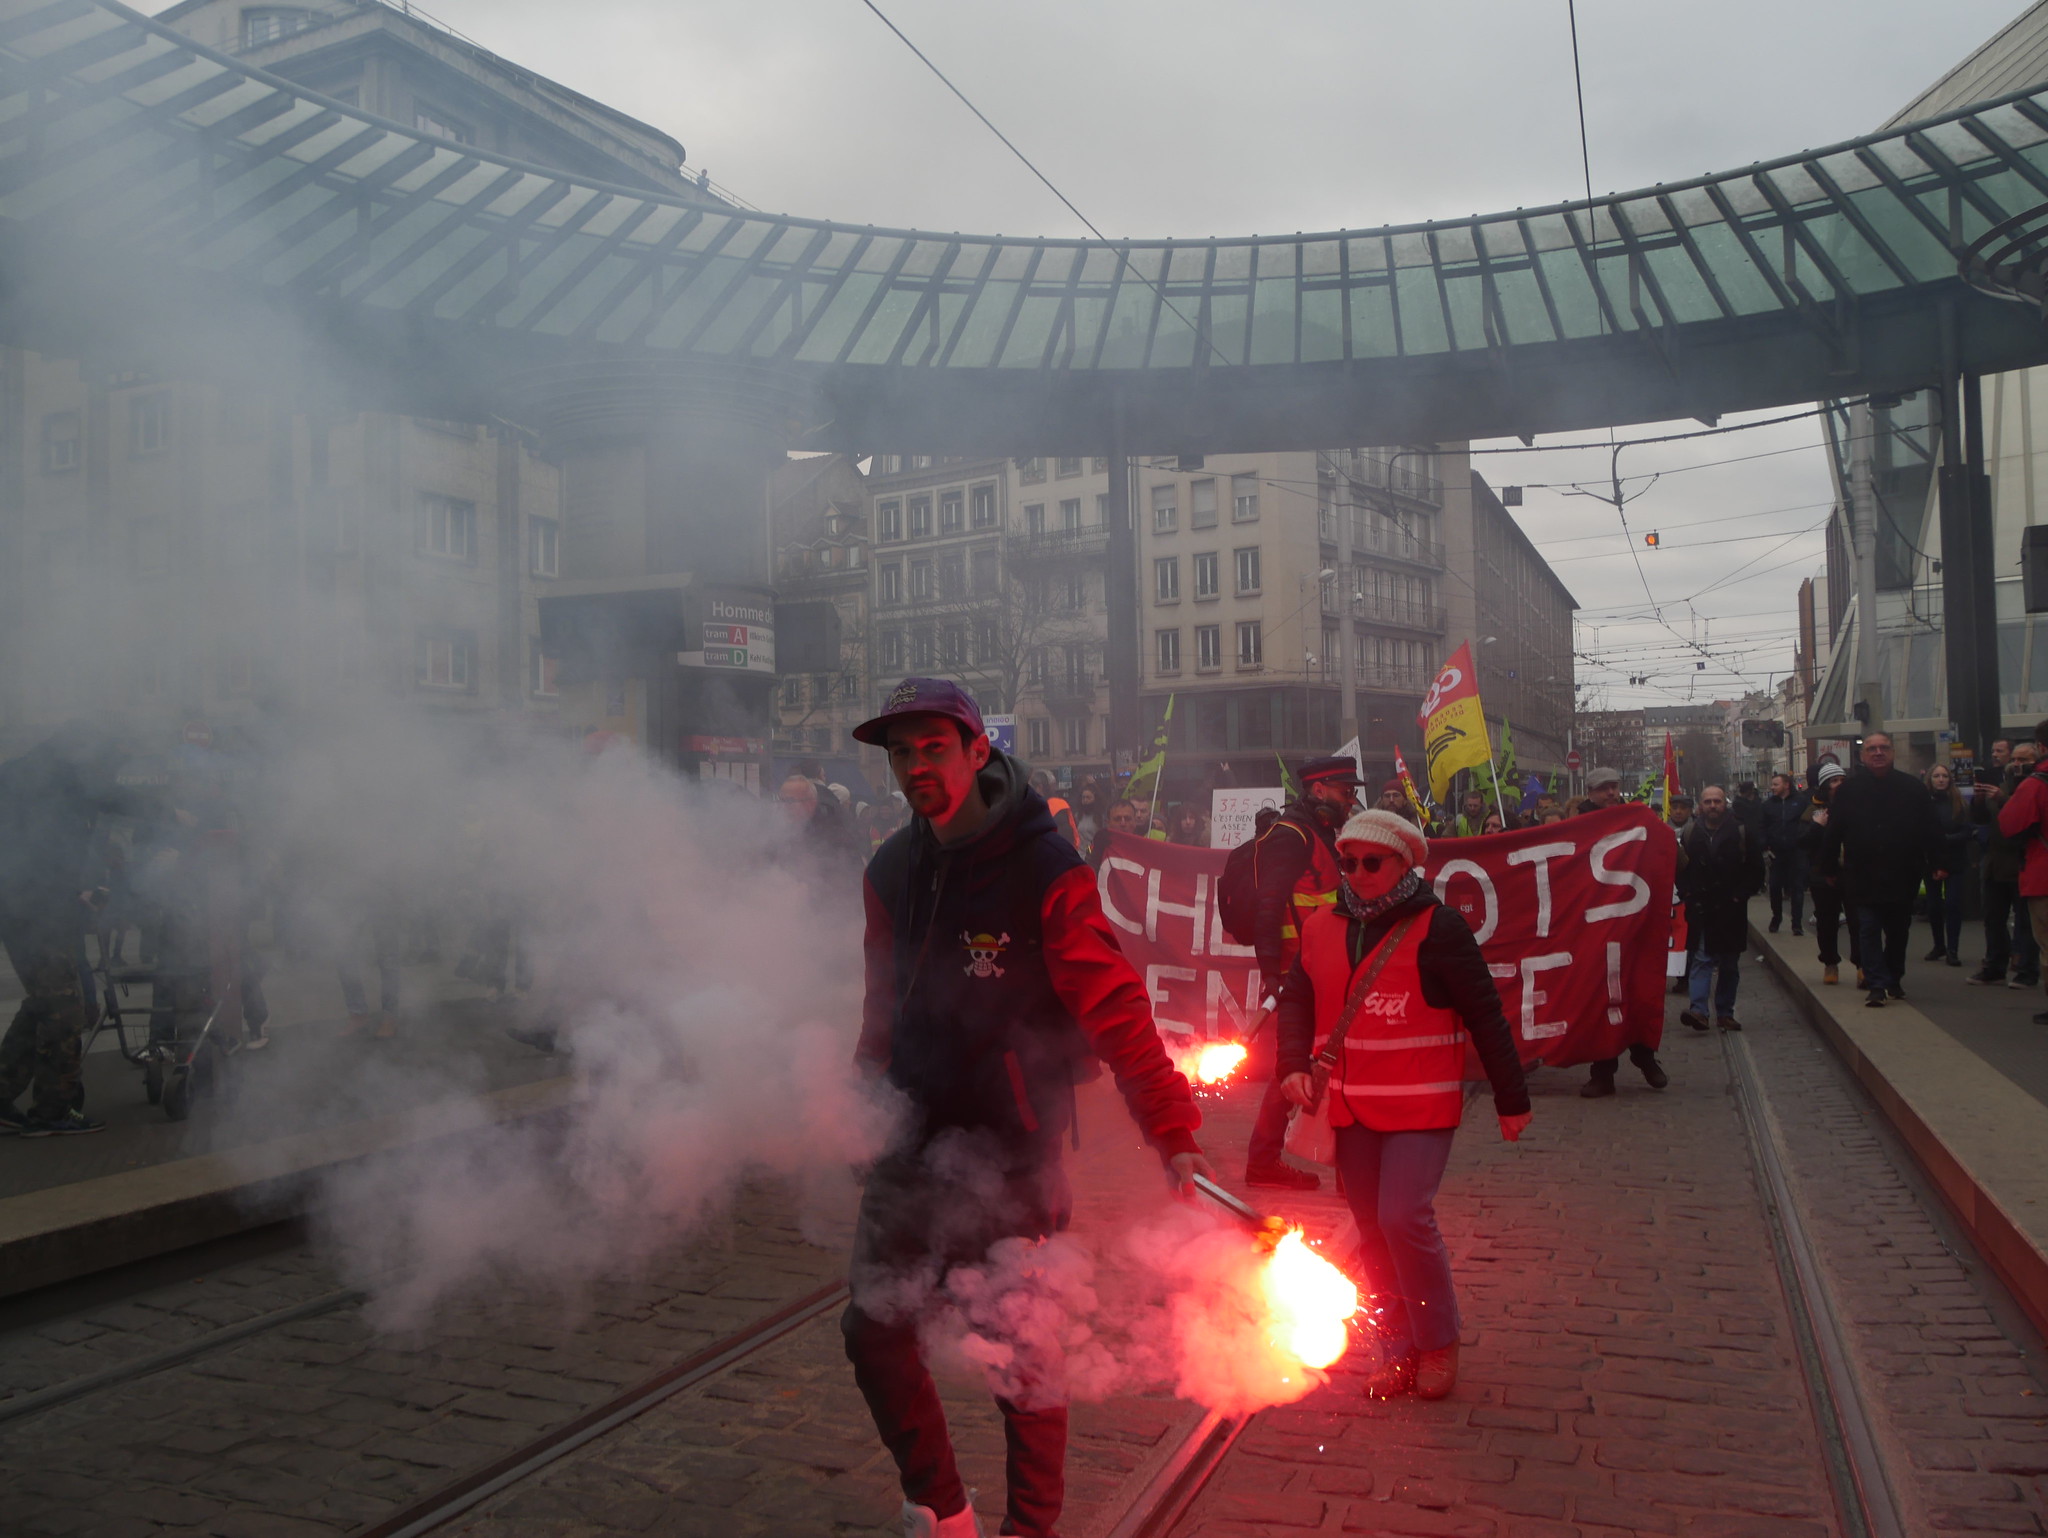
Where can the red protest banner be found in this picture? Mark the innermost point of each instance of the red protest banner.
(1574, 919)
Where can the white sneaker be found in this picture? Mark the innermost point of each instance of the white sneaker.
(923, 1522)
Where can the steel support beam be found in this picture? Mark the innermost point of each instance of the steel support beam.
(1120, 597)
(1968, 576)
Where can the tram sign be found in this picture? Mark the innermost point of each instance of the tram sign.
(734, 630)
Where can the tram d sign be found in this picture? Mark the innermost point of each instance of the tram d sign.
(733, 630)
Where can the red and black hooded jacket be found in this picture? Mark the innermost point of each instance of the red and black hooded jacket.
(992, 975)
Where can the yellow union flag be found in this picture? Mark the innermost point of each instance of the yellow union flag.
(1453, 727)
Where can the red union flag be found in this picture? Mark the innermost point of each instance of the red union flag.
(1574, 920)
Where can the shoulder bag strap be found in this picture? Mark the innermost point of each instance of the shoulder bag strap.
(1361, 990)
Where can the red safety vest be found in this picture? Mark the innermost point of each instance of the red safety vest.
(1403, 1064)
(1315, 890)
(1063, 819)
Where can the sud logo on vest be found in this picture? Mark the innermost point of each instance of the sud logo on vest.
(983, 952)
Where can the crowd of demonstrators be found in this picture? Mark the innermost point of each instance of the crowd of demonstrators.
(1294, 875)
(986, 1057)
(1393, 1075)
(2009, 944)
(1880, 842)
(1722, 869)
(1780, 822)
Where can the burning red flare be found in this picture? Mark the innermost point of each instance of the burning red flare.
(1211, 1062)
(1310, 1302)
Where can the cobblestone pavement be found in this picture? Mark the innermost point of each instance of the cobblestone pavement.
(1629, 1364)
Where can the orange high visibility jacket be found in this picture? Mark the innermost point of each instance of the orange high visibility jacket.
(1403, 1064)
(1315, 888)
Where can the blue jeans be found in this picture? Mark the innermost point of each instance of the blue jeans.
(1390, 1180)
(1701, 975)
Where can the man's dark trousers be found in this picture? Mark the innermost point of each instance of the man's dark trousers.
(1269, 1130)
(1788, 881)
(2008, 932)
(921, 1214)
(1828, 926)
(1885, 929)
(43, 1044)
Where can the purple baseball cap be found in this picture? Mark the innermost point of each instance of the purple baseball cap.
(922, 697)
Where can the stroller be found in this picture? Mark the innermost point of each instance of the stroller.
(193, 1025)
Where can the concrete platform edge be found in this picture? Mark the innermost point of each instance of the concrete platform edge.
(67, 1231)
(1979, 1193)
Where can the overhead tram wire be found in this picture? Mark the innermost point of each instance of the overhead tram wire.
(1123, 260)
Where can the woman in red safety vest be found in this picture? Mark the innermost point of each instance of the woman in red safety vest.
(1388, 987)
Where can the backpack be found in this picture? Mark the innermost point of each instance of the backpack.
(1237, 889)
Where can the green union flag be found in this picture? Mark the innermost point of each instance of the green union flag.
(1146, 778)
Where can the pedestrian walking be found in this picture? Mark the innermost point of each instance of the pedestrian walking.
(1827, 892)
(1721, 871)
(991, 973)
(1881, 842)
(1780, 819)
(1392, 984)
(2008, 930)
(1294, 868)
(1747, 808)
(1945, 894)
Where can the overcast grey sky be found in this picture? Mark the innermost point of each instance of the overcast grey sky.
(1201, 117)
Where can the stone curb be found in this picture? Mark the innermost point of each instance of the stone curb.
(67, 1231)
(1980, 1138)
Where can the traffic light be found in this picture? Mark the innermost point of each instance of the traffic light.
(1652, 539)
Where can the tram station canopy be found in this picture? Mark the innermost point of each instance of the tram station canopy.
(141, 170)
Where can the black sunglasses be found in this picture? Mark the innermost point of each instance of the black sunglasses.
(1369, 863)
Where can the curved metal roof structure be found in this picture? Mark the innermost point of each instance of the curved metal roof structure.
(134, 162)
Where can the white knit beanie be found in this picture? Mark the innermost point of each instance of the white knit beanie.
(1387, 831)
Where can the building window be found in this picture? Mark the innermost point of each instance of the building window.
(1076, 730)
(149, 422)
(1031, 471)
(923, 650)
(268, 23)
(953, 646)
(63, 442)
(1208, 646)
(445, 659)
(1034, 519)
(793, 692)
(1169, 651)
(432, 120)
(986, 643)
(1208, 575)
(447, 527)
(889, 582)
(952, 512)
(982, 570)
(892, 650)
(982, 503)
(1202, 507)
(920, 461)
(1251, 645)
(920, 581)
(540, 671)
(1038, 736)
(1038, 669)
(953, 576)
(544, 547)
(1069, 467)
(1244, 499)
(1165, 510)
(920, 517)
(1166, 579)
(1074, 592)
(1247, 569)
(1080, 680)
(889, 521)
(1070, 515)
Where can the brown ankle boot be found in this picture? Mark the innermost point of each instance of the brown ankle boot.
(1436, 1372)
(1395, 1377)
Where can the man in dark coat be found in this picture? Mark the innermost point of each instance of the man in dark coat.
(993, 981)
(1722, 870)
(1881, 842)
(1778, 836)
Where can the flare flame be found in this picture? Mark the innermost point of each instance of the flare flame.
(1212, 1062)
(1310, 1302)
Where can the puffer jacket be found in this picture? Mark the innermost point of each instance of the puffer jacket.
(993, 976)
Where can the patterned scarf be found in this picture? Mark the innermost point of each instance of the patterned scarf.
(1365, 910)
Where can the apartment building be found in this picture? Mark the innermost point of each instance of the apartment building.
(183, 550)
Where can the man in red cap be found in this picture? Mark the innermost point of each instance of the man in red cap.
(993, 979)
(1295, 871)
